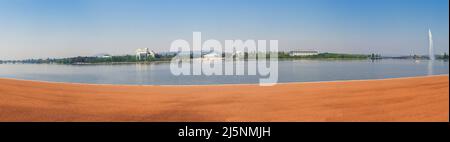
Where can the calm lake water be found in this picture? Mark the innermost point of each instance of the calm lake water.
(289, 71)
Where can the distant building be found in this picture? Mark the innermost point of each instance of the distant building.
(103, 55)
(303, 53)
(239, 54)
(212, 55)
(144, 53)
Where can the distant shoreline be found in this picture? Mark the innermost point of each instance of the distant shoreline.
(168, 60)
(133, 59)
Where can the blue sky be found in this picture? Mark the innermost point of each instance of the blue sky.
(64, 28)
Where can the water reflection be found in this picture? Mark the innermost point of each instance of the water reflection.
(159, 73)
(430, 67)
(141, 72)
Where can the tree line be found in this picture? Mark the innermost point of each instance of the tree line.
(168, 57)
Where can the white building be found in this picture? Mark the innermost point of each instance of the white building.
(144, 53)
(239, 54)
(103, 55)
(303, 53)
(212, 55)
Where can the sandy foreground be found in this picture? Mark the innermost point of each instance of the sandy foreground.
(403, 99)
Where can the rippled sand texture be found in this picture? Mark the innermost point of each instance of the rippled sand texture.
(403, 99)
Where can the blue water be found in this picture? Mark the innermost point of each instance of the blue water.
(288, 71)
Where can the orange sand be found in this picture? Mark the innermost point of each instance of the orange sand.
(403, 99)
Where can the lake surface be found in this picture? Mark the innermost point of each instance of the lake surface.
(288, 71)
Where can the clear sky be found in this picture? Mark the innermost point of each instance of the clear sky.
(64, 28)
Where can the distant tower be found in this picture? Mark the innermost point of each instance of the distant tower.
(430, 48)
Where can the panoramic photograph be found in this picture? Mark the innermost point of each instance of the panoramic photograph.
(224, 61)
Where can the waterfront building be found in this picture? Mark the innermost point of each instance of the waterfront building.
(144, 53)
(303, 53)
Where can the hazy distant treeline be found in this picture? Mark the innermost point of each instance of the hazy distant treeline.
(91, 60)
(168, 57)
(326, 55)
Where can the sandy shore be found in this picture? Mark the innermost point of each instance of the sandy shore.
(404, 99)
